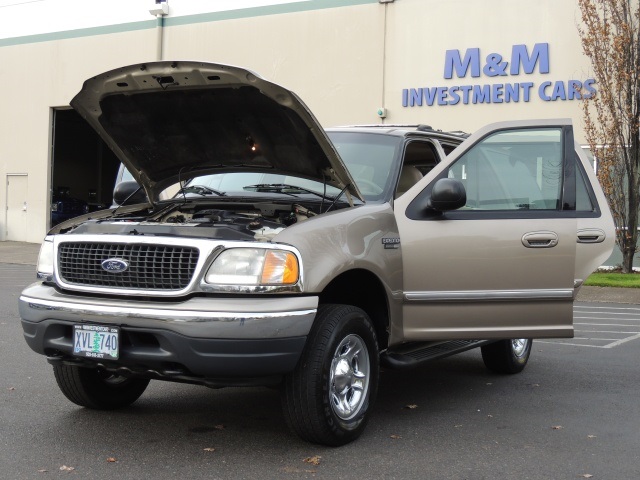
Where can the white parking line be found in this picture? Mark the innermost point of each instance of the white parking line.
(589, 307)
(595, 325)
(597, 339)
(570, 344)
(604, 331)
(604, 324)
(620, 342)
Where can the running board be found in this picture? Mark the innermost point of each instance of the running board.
(414, 354)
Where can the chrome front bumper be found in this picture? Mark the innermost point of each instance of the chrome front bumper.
(213, 341)
(199, 317)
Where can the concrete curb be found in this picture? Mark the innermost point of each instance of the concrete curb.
(609, 295)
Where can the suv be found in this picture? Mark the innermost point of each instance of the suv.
(64, 206)
(285, 255)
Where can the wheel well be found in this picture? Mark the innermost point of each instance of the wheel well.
(364, 290)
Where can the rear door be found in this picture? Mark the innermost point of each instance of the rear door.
(596, 229)
(503, 265)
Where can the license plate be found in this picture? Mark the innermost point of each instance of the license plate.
(96, 341)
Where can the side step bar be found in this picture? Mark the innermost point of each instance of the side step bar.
(414, 354)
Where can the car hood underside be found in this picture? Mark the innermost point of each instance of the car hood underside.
(171, 121)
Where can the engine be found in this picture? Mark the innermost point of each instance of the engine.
(258, 222)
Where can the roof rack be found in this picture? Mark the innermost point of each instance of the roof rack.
(419, 127)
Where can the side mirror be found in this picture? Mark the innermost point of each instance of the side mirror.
(124, 190)
(447, 194)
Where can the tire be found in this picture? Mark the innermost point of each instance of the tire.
(507, 356)
(92, 388)
(328, 397)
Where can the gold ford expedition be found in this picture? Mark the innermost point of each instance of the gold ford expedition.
(255, 248)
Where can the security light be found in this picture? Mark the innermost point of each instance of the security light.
(160, 7)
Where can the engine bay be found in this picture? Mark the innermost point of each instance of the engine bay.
(230, 221)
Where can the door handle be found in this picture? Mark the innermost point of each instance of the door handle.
(540, 239)
(591, 235)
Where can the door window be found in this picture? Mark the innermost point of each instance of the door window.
(585, 200)
(419, 159)
(513, 170)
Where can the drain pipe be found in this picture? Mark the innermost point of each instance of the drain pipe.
(382, 110)
(160, 10)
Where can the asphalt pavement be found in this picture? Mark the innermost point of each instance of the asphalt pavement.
(27, 254)
(22, 253)
(572, 413)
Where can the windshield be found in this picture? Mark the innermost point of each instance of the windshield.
(239, 183)
(369, 158)
(126, 176)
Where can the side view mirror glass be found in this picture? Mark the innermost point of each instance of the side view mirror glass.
(447, 194)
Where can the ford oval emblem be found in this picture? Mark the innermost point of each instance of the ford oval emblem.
(114, 265)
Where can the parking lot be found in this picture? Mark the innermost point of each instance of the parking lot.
(573, 413)
(602, 325)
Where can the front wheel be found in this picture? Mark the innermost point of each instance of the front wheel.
(327, 398)
(92, 388)
(507, 356)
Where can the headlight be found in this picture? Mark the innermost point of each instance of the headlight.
(254, 266)
(45, 258)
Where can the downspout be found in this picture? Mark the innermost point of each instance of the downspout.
(159, 36)
(382, 110)
(160, 10)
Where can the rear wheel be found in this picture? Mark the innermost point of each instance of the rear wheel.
(507, 356)
(99, 390)
(327, 398)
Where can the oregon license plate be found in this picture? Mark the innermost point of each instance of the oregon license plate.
(96, 341)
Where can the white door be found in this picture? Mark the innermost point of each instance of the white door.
(16, 225)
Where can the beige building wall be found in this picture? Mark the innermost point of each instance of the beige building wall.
(418, 37)
(345, 62)
(331, 58)
(35, 78)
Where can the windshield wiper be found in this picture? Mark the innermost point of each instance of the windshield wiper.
(285, 189)
(201, 190)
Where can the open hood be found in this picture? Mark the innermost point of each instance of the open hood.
(170, 121)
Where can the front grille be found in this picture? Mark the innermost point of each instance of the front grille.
(151, 267)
